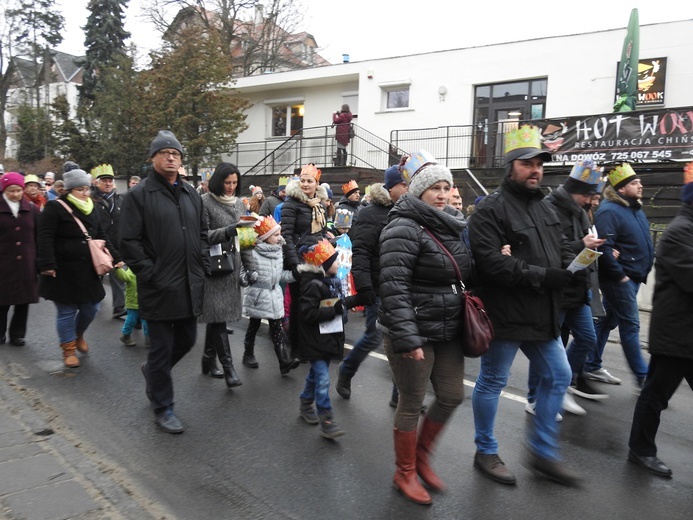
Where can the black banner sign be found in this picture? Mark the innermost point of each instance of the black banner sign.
(652, 135)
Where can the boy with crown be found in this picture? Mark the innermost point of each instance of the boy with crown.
(522, 294)
(323, 310)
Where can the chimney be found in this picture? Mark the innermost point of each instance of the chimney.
(345, 58)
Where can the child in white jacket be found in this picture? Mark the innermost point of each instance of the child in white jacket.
(263, 297)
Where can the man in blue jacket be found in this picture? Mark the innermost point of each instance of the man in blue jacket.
(621, 220)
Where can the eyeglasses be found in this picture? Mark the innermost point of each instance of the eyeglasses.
(165, 153)
(83, 188)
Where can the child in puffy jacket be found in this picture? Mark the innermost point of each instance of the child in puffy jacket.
(263, 298)
(126, 276)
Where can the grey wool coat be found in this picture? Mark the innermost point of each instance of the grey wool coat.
(222, 301)
(264, 299)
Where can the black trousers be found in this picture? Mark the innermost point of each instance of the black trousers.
(18, 323)
(663, 378)
(170, 341)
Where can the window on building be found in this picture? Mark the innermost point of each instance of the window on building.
(395, 95)
(287, 120)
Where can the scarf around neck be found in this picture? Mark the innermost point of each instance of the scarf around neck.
(229, 200)
(85, 206)
(318, 222)
(13, 205)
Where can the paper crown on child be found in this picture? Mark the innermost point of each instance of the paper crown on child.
(621, 175)
(265, 227)
(584, 178)
(342, 218)
(102, 170)
(687, 188)
(320, 254)
(282, 182)
(310, 169)
(247, 237)
(524, 143)
(349, 187)
(32, 178)
(414, 163)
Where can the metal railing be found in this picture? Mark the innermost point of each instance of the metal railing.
(312, 144)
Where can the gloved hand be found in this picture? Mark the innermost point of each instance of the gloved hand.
(580, 277)
(365, 296)
(557, 278)
(230, 231)
(339, 308)
(252, 277)
(297, 275)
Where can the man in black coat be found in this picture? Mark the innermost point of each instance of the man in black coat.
(107, 202)
(164, 241)
(522, 294)
(671, 329)
(365, 268)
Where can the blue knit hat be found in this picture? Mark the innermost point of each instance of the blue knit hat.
(393, 177)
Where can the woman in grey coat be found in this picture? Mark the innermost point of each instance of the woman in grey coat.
(222, 300)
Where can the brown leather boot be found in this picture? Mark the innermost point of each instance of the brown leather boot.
(69, 356)
(405, 478)
(80, 344)
(427, 436)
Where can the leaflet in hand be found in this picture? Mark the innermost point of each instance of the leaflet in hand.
(334, 325)
(586, 257)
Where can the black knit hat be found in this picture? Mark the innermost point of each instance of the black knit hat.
(164, 139)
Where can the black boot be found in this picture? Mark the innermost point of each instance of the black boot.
(209, 358)
(286, 362)
(221, 343)
(249, 355)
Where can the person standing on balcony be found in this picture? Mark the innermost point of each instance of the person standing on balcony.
(342, 121)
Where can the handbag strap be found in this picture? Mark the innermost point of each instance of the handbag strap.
(79, 222)
(452, 258)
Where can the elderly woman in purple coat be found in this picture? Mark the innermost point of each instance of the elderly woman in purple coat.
(19, 285)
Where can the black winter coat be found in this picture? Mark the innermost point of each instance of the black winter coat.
(164, 241)
(18, 254)
(296, 223)
(575, 225)
(365, 239)
(315, 287)
(270, 204)
(109, 215)
(420, 291)
(671, 326)
(512, 287)
(63, 247)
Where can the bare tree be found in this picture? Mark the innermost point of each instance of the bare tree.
(6, 68)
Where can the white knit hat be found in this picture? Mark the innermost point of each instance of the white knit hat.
(427, 177)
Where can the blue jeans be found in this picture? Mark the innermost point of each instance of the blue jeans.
(369, 341)
(621, 306)
(74, 318)
(548, 361)
(317, 387)
(131, 319)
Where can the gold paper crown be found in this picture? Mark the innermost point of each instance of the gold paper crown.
(688, 173)
(247, 237)
(265, 226)
(32, 178)
(310, 169)
(349, 186)
(283, 181)
(527, 136)
(102, 170)
(620, 174)
(319, 253)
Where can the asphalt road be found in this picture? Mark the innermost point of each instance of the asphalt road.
(246, 454)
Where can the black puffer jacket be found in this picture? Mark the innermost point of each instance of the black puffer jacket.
(109, 212)
(297, 216)
(419, 289)
(671, 327)
(365, 239)
(163, 239)
(512, 287)
(575, 225)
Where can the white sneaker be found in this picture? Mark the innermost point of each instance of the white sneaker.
(530, 408)
(570, 406)
(603, 376)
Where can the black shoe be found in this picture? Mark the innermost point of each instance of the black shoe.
(651, 464)
(209, 366)
(250, 361)
(231, 377)
(17, 342)
(119, 312)
(552, 470)
(585, 389)
(229, 331)
(343, 383)
(147, 390)
(168, 422)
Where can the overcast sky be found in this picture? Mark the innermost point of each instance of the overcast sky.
(367, 29)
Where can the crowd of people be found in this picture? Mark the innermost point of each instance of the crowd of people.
(182, 258)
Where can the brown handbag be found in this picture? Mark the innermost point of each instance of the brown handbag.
(100, 255)
(477, 329)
